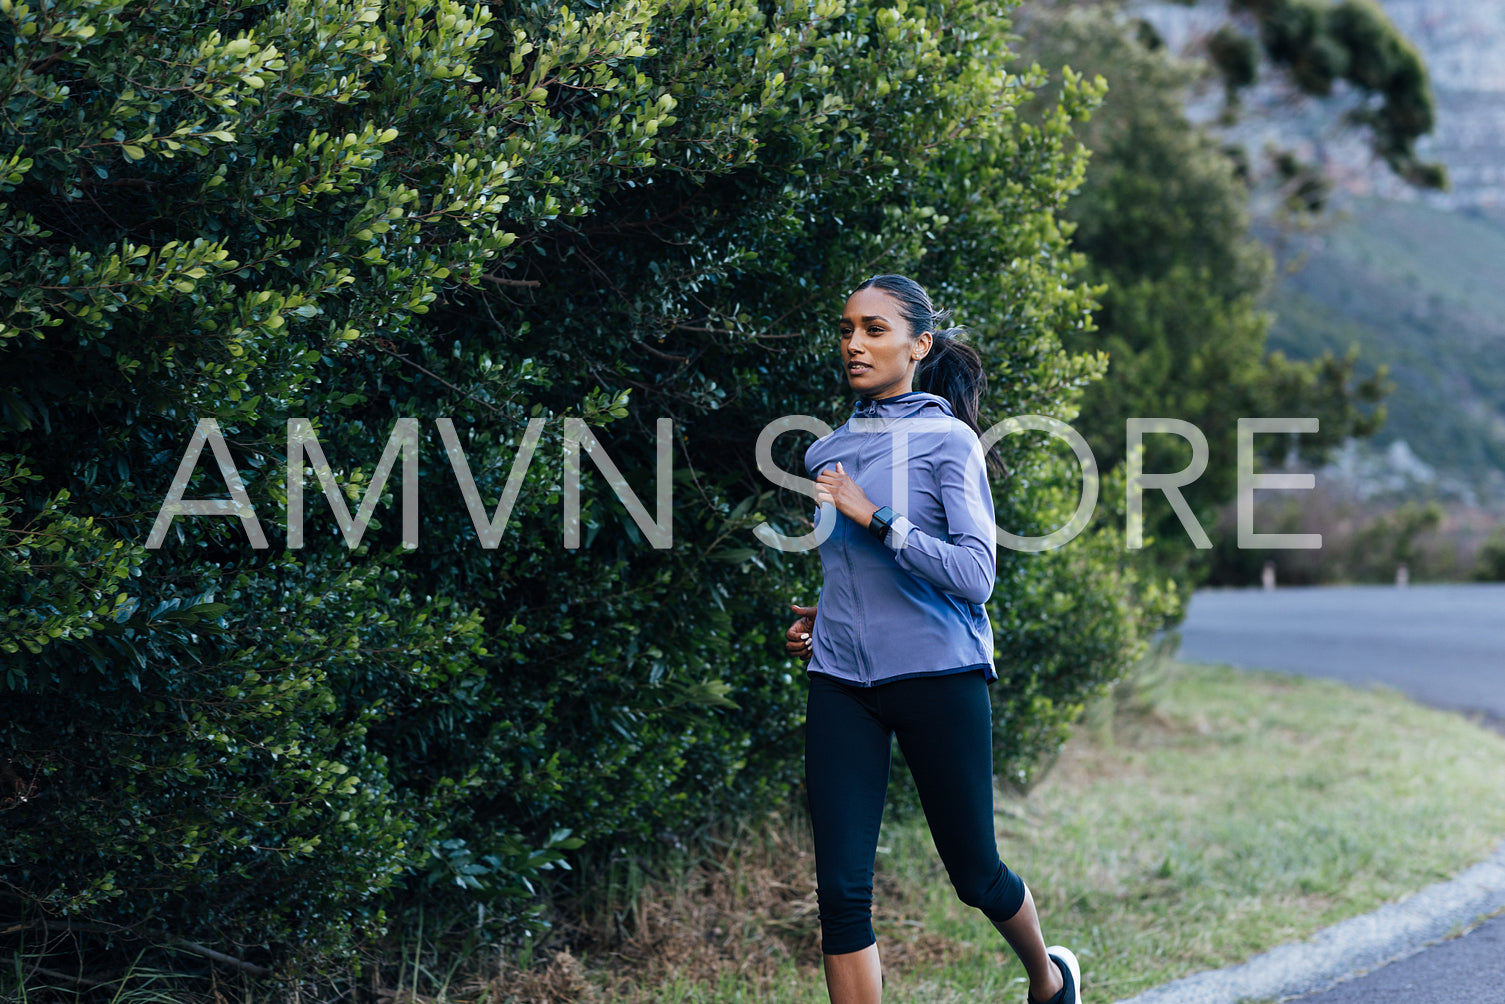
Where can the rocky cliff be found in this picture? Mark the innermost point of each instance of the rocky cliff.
(1463, 44)
(1411, 278)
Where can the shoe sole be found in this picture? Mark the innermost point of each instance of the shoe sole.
(1067, 956)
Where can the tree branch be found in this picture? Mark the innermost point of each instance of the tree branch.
(500, 281)
(417, 366)
(249, 968)
(662, 354)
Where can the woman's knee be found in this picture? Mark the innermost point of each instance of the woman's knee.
(973, 890)
(997, 892)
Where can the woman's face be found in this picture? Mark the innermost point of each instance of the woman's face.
(876, 349)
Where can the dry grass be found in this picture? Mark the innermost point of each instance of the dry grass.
(747, 919)
(1185, 826)
(562, 981)
(1225, 814)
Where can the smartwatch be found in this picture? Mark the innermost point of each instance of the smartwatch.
(881, 523)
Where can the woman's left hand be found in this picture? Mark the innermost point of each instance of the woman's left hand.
(836, 487)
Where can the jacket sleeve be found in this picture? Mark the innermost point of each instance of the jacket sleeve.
(966, 565)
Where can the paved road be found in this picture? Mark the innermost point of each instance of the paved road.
(1444, 645)
(1471, 968)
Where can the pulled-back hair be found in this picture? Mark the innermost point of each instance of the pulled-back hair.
(952, 369)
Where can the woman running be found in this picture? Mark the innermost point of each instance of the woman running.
(902, 644)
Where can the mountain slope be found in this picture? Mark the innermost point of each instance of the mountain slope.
(1419, 289)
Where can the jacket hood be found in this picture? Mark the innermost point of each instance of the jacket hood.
(901, 405)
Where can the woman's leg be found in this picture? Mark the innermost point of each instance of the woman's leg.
(945, 730)
(846, 779)
(854, 978)
(1022, 932)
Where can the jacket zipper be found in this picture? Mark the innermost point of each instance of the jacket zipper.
(865, 664)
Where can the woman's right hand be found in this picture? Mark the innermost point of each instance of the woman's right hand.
(797, 638)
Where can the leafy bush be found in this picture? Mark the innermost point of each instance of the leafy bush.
(356, 213)
(1489, 563)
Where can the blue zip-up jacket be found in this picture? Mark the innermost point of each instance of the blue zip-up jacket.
(914, 605)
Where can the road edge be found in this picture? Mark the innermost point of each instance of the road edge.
(1349, 948)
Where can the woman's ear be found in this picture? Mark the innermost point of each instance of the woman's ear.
(922, 345)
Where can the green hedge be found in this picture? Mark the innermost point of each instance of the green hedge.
(354, 213)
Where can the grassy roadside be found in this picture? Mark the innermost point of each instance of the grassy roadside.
(1226, 814)
(1191, 823)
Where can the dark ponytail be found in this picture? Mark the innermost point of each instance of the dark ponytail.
(952, 369)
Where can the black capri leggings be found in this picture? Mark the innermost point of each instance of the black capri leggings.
(945, 729)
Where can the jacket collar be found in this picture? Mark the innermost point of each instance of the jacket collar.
(901, 405)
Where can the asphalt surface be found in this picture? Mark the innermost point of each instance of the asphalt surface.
(1476, 961)
(1442, 645)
